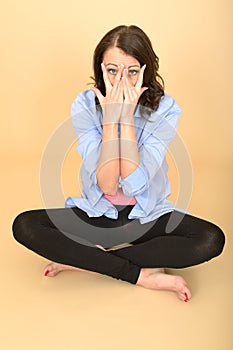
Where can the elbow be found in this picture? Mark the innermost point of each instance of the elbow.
(109, 191)
(107, 187)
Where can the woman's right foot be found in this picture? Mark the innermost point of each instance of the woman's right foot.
(159, 280)
(53, 269)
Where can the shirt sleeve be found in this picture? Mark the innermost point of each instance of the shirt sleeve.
(89, 144)
(152, 151)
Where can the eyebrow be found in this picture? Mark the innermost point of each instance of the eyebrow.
(112, 64)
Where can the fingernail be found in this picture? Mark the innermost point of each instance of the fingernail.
(187, 299)
(46, 272)
(122, 65)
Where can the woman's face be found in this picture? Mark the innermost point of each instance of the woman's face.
(114, 57)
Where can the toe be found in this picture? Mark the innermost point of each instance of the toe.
(50, 270)
(188, 294)
(46, 272)
(185, 295)
(182, 288)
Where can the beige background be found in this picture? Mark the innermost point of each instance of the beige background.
(46, 57)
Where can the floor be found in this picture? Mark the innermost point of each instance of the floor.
(78, 310)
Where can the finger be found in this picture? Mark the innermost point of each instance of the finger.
(98, 94)
(100, 247)
(142, 90)
(117, 78)
(129, 90)
(140, 78)
(107, 82)
(126, 90)
(120, 92)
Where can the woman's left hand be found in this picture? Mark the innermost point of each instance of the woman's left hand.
(131, 95)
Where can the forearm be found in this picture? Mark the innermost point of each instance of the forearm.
(129, 156)
(108, 168)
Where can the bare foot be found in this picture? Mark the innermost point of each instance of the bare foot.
(158, 279)
(53, 269)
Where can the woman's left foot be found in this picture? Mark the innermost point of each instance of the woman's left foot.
(156, 278)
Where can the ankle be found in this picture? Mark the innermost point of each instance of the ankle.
(142, 277)
(146, 273)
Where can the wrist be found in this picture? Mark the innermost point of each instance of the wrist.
(110, 122)
(127, 120)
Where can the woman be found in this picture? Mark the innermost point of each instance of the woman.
(119, 227)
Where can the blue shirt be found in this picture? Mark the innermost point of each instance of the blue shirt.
(149, 182)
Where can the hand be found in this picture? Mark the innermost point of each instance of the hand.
(131, 95)
(111, 103)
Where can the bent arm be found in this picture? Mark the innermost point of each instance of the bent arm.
(142, 163)
(129, 156)
(108, 169)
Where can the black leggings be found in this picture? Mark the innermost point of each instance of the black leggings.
(57, 236)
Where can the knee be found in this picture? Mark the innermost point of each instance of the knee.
(20, 226)
(214, 241)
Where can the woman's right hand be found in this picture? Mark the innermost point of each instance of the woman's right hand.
(113, 101)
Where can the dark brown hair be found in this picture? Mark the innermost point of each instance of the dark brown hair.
(133, 41)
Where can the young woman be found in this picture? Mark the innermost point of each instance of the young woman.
(123, 225)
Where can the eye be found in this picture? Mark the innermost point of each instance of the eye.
(132, 72)
(112, 71)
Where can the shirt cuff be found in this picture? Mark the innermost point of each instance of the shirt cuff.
(135, 183)
(96, 192)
